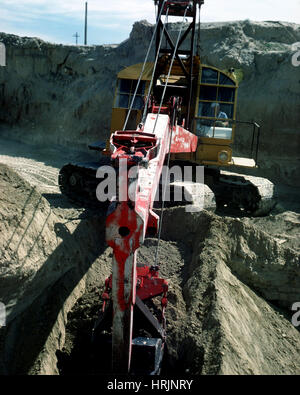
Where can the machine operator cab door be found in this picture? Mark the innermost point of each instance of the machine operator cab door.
(215, 112)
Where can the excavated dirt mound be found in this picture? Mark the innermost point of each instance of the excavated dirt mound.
(232, 279)
(232, 283)
(216, 323)
(46, 254)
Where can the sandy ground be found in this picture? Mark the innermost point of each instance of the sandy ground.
(232, 278)
(37, 164)
(221, 269)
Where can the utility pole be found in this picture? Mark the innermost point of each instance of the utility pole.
(76, 35)
(85, 24)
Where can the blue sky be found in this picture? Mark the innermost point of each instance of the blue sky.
(110, 21)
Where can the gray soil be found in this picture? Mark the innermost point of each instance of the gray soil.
(232, 280)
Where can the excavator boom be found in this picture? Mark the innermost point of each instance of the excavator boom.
(139, 157)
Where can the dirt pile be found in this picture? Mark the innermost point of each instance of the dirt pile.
(233, 327)
(40, 248)
(232, 280)
(27, 227)
(63, 94)
(231, 285)
(217, 324)
(263, 256)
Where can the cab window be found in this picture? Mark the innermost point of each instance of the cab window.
(125, 91)
(215, 104)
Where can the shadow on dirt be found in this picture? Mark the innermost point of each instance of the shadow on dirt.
(27, 334)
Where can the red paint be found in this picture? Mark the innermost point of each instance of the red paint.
(183, 141)
(148, 151)
(149, 284)
(124, 246)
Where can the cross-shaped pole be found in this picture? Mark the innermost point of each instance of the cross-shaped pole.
(76, 35)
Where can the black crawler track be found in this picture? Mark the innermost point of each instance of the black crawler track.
(79, 183)
(254, 195)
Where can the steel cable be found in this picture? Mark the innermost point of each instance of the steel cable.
(143, 68)
(170, 140)
(170, 69)
(154, 68)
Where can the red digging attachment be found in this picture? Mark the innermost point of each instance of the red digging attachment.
(139, 157)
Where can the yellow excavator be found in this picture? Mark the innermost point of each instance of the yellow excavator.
(208, 109)
(171, 110)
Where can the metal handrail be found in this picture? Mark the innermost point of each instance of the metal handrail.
(256, 131)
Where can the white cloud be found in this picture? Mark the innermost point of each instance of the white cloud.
(144, 9)
(117, 16)
(129, 9)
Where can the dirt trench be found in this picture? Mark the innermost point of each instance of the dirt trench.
(232, 279)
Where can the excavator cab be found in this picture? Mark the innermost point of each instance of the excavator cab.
(215, 114)
(127, 80)
(213, 106)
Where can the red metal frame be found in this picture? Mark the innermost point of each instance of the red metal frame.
(130, 215)
(128, 221)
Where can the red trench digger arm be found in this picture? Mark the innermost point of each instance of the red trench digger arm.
(139, 157)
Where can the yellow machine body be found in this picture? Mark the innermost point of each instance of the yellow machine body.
(213, 108)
